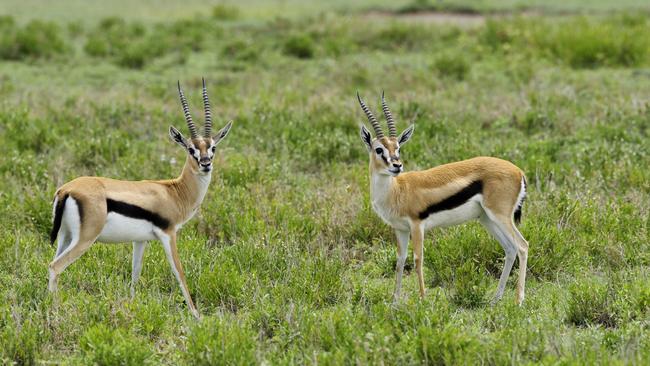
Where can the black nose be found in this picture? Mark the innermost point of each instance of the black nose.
(397, 165)
(204, 162)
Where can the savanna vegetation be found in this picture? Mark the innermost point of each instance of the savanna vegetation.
(286, 260)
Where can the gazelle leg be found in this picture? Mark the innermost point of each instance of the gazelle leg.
(402, 249)
(508, 229)
(60, 263)
(138, 254)
(522, 252)
(417, 236)
(169, 244)
(82, 236)
(63, 241)
(508, 247)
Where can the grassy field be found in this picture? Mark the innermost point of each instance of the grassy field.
(286, 260)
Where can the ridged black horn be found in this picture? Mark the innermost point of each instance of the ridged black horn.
(186, 112)
(208, 113)
(392, 131)
(373, 121)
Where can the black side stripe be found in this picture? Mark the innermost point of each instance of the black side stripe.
(136, 212)
(58, 215)
(454, 201)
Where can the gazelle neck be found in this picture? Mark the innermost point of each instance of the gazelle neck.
(381, 187)
(193, 185)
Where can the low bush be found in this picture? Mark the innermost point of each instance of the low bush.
(589, 303)
(132, 45)
(20, 340)
(446, 346)
(101, 345)
(452, 65)
(225, 12)
(300, 46)
(585, 44)
(37, 39)
(469, 286)
(222, 285)
(242, 50)
(221, 341)
(577, 42)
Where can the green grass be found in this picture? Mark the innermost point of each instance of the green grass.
(286, 260)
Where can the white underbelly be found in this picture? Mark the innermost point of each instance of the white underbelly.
(470, 210)
(120, 228)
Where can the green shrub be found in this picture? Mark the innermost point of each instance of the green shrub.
(222, 285)
(37, 39)
(470, 286)
(632, 300)
(221, 341)
(300, 46)
(243, 50)
(451, 65)
(225, 12)
(589, 303)
(101, 345)
(133, 57)
(576, 42)
(20, 342)
(446, 346)
(400, 36)
(131, 45)
(112, 37)
(584, 44)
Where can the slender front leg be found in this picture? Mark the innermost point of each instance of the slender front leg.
(138, 254)
(417, 236)
(402, 249)
(169, 244)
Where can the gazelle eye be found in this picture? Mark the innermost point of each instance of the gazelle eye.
(191, 151)
(214, 148)
(379, 150)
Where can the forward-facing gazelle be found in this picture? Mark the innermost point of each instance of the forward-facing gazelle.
(89, 209)
(485, 188)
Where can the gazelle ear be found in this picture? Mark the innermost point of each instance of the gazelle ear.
(366, 137)
(177, 136)
(406, 135)
(221, 134)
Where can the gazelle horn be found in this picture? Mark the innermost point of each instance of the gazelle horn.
(371, 118)
(392, 131)
(186, 112)
(208, 114)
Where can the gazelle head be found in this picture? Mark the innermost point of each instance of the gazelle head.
(384, 151)
(201, 149)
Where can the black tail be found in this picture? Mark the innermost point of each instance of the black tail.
(58, 214)
(520, 204)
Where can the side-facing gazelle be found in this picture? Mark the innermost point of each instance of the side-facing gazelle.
(89, 209)
(485, 188)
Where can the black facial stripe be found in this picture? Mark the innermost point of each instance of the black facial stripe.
(383, 157)
(454, 201)
(136, 212)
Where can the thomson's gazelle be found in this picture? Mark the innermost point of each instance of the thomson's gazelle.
(485, 188)
(89, 209)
